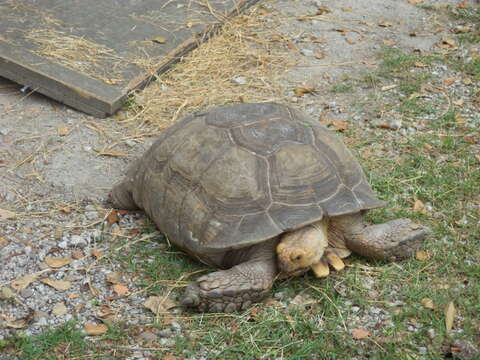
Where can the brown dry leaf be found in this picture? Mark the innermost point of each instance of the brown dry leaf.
(347, 9)
(415, 2)
(450, 81)
(300, 91)
(6, 293)
(420, 64)
(447, 43)
(463, 4)
(340, 125)
(20, 323)
(360, 333)
(66, 210)
(389, 87)
(57, 262)
(57, 284)
(114, 277)
(422, 255)
(450, 312)
(112, 217)
(301, 301)
(320, 56)
(385, 24)
(471, 139)
(467, 81)
(77, 254)
(388, 42)
(7, 214)
(94, 329)
(458, 102)
(427, 147)
(419, 206)
(63, 130)
(158, 304)
(59, 309)
(477, 156)
(73, 296)
(120, 289)
(459, 119)
(98, 254)
(427, 303)
(23, 282)
(3, 242)
(323, 10)
(111, 153)
(159, 40)
(350, 41)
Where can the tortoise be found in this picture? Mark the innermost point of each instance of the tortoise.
(258, 190)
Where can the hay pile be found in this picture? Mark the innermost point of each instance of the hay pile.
(242, 63)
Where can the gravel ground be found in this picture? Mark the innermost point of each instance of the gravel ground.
(54, 178)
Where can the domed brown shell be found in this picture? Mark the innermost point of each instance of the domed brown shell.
(237, 175)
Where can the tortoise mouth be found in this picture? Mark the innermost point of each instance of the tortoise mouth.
(288, 274)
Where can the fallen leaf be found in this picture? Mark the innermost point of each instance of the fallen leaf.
(427, 147)
(120, 289)
(57, 284)
(77, 254)
(467, 81)
(112, 217)
(458, 102)
(477, 156)
(459, 119)
(66, 210)
(323, 10)
(340, 125)
(350, 41)
(420, 64)
(6, 293)
(3, 242)
(57, 262)
(471, 139)
(22, 322)
(301, 301)
(422, 255)
(7, 214)
(449, 316)
(447, 43)
(110, 153)
(419, 206)
(59, 309)
(73, 296)
(463, 4)
(360, 333)
(462, 29)
(388, 42)
(415, 2)
(94, 329)
(63, 131)
(158, 304)
(449, 81)
(98, 254)
(114, 277)
(389, 87)
(159, 40)
(300, 91)
(427, 303)
(320, 56)
(347, 9)
(385, 24)
(23, 282)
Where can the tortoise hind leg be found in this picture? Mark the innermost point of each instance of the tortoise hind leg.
(121, 195)
(394, 240)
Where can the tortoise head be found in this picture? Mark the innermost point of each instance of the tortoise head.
(298, 250)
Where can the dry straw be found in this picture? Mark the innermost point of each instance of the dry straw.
(244, 62)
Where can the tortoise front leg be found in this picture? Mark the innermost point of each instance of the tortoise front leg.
(238, 287)
(394, 240)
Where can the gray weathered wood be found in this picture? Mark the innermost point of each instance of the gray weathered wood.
(124, 30)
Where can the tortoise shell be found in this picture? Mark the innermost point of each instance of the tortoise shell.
(238, 175)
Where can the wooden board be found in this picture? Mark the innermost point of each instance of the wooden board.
(91, 54)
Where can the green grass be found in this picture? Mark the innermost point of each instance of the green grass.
(59, 343)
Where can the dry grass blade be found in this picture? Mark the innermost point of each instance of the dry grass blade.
(242, 63)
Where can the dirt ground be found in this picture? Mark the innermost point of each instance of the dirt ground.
(57, 165)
